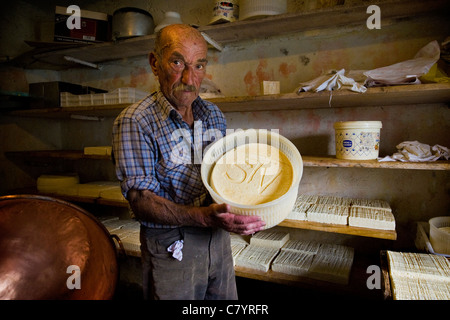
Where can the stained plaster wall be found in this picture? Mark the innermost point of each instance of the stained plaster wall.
(238, 70)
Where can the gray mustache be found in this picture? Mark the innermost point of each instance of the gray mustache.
(183, 87)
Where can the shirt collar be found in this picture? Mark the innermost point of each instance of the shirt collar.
(199, 108)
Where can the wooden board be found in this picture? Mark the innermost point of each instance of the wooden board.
(379, 96)
(374, 97)
(386, 280)
(343, 229)
(308, 161)
(332, 162)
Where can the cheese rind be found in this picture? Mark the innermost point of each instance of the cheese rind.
(331, 268)
(292, 262)
(256, 257)
(324, 213)
(99, 151)
(270, 239)
(307, 247)
(53, 183)
(371, 218)
(371, 203)
(299, 210)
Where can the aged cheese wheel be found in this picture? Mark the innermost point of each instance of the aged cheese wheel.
(252, 174)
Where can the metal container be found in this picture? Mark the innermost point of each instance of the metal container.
(131, 22)
(51, 249)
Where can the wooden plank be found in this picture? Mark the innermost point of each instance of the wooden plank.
(378, 96)
(308, 161)
(336, 16)
(246, 30)
(60, 154)
(386, 279)
(68, 112)
(343, 229)
(332, 162)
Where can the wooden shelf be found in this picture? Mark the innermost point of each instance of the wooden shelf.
(357, 231)
(380, 96)
(308, 161)
(228, 33)
(332, 162)
(72, 112)
(58, 154)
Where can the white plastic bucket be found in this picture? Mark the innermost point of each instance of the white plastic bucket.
(252, 9)
(440, 239)
(357, 140)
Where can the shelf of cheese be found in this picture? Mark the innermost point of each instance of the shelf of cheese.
(360, 217)
(275, 257)
(327, 273)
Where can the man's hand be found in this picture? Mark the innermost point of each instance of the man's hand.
(223, 218)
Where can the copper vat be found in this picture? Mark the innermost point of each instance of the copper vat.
(52, 249)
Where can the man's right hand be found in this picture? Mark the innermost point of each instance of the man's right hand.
(240, 224)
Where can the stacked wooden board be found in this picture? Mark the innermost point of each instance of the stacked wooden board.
(364, 213)
(419, 276)
(272, 249)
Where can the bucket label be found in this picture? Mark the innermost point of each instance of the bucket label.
(347, 143)
(225, 11)
(362, 144)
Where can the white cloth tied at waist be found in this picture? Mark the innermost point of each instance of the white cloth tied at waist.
(414, 151)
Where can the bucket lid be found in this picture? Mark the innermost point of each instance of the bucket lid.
(358, 125)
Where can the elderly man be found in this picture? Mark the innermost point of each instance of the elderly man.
(185, 242)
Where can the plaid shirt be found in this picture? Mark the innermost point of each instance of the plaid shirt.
(154, 149)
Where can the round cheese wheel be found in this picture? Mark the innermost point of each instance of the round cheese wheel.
(252, 174)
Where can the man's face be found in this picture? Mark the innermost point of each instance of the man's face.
(181, 68)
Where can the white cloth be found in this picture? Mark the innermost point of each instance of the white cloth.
(406, 72)
(414, 151)
(176, 248)
(332, 80)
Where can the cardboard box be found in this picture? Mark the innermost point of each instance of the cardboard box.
(95, 27)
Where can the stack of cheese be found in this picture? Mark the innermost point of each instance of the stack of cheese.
(419, 276)
(69, 185)
(327, 262)
(274, 249)
(47, 183)
(373, 214)
(263, 248)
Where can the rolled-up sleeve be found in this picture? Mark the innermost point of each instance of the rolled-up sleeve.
(135, 156)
